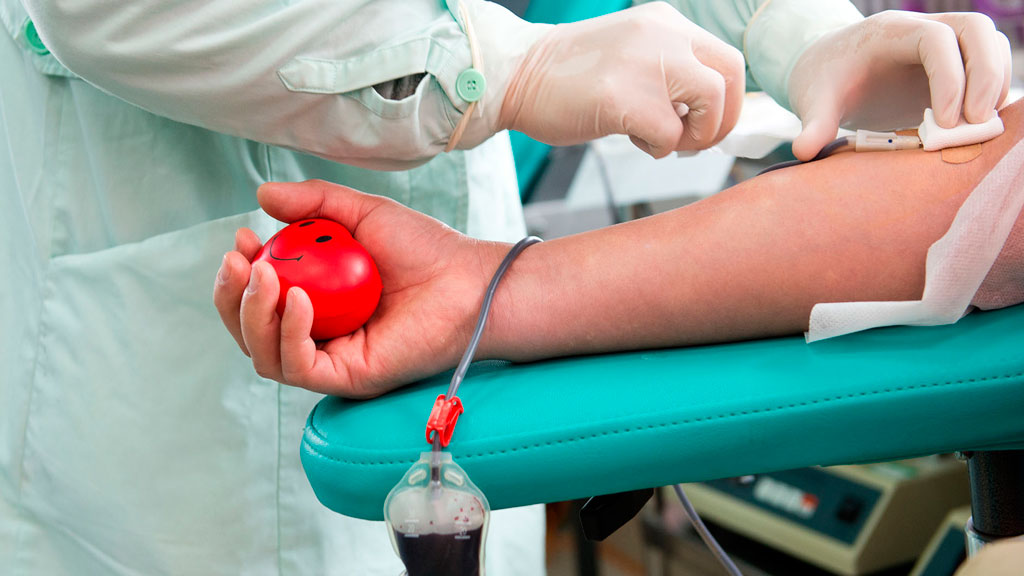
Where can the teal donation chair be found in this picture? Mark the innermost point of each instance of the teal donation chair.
(578, 427)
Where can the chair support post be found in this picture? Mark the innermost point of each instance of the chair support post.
(997, 497)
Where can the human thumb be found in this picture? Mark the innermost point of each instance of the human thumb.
(655, 129)
(291, 201)
(820, 126)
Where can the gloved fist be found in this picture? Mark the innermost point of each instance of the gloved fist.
(882, 72)
(647, 72)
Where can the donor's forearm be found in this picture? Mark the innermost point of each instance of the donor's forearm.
(749, 262)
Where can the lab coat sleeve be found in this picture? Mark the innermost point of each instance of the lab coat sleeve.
(296, 74)
(771, 33)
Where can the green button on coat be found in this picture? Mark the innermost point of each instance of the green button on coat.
(470, 85)
(33, 40)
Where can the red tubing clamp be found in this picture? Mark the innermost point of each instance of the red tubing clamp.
(443, 418)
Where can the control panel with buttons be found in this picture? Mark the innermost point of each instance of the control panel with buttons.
(826, 503)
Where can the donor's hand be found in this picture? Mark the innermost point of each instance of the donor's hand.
(433, 284)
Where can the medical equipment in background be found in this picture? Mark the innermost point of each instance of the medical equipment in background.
(947, 548)
(850, 520)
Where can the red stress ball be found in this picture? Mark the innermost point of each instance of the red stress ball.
(321, 257)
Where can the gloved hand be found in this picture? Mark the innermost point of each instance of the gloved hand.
(433, 277)
(882, 72)
(627, 73)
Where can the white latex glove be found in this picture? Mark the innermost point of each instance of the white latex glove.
(882, 72)
(647, 72)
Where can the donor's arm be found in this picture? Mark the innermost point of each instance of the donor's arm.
(749, 262)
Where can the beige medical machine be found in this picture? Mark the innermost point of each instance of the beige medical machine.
(849, 520)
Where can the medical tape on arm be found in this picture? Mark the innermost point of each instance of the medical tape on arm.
(956, 264)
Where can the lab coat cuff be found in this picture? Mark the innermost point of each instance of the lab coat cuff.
(502, 40)
(781, 30)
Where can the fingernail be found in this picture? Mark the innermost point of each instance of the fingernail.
(224, 272)
(254, 280)
(289, 299)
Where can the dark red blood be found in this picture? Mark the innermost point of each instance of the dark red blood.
(441, 554)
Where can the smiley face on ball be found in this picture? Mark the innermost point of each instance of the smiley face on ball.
(321, 257)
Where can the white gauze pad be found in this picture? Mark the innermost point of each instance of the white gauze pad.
(955, 266)
(935, 137)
